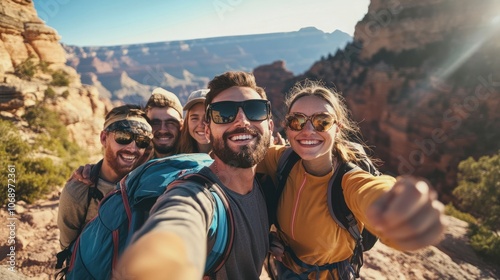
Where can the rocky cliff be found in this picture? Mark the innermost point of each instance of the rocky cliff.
(25, 41)
(272, 78)
(24, 35)
(423, 80)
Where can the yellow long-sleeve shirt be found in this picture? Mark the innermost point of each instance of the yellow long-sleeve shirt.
(305, 221)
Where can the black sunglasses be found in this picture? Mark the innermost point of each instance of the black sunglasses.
(126, 137)
(320, 121)
(225, 111)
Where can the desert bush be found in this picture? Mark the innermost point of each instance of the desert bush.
(478, 186)
(50, 93)
(485, 242)
(65, 94)
(60, 78)
(450, 210)
(36, 173)
(40, 119)
(44, 66)
(26, 69)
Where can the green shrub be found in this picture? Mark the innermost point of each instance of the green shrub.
(40, 119)
(450, 210)
(60, 79)
(44, 66)
(37, 175)
(485, 242)
(40, 176)
(478, 186)
(26, 69)
(50, 93)
(65, 94)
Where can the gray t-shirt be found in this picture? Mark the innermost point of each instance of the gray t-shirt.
(187, 210)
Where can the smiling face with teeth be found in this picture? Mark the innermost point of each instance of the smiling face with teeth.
(119, 159)
(241, 143)
(309, 143)
(166, 123)
(195, 123)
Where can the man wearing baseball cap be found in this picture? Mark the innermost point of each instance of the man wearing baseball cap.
(164, 111)
(125, 137)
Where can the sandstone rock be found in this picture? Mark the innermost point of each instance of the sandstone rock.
(39, 218)
(24, 35)
(5, 273)
(21, 242)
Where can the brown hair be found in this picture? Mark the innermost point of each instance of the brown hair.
(187, 144)
(161, 98)
(232, 79)
(343, 148)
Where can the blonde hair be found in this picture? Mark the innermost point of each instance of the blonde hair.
(343, 148)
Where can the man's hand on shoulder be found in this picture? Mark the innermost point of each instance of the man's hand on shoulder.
(82, 174)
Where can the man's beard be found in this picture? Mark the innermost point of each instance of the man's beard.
(166, 149)
(120, 170)
(247, 156)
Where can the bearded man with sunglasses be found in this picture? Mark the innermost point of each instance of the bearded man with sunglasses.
(125, 137)
(172, 244)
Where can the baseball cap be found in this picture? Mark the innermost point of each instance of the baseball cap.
(196, 97)
(163, 98)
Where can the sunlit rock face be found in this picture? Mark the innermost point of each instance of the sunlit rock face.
(422, 78)
(24, 35)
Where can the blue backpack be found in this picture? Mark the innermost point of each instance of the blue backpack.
(122, 212)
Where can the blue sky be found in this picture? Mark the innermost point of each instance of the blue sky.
(110, 22)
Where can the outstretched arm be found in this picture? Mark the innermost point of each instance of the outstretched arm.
(157, 255)
(409, 216)
(172, 244)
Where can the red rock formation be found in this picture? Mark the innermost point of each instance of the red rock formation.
(422, 81)
(272, 78)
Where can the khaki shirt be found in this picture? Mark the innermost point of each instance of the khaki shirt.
(75, 211)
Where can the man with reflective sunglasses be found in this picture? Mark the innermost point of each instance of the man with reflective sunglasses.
(172, 244)
(125, 137)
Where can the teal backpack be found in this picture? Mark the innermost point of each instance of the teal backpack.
(122, 212)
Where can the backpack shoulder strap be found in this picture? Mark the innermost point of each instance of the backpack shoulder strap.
(285, 165)
(336, 201)
(94, 192)
(220, 246)
(344, 217)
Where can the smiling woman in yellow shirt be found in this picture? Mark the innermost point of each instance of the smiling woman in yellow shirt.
(404, 213)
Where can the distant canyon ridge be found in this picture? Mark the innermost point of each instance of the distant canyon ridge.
(129, 72)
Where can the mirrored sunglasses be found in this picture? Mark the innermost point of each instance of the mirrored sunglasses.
(225, 111)
(320, 121)
(126, 137)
